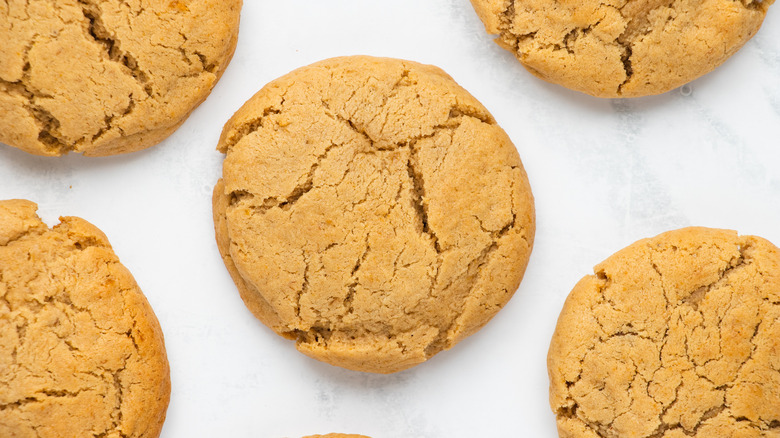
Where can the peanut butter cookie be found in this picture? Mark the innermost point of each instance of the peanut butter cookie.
(622, 48)
(107, 77)
(675, 336)
(372, 210)
(336, 435)
(81, 352)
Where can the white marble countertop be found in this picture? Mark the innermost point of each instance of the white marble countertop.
(604, 173)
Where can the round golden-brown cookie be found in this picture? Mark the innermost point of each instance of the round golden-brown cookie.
(622, 48)
(675, 336)
(81, 352)
(372, 210)
(107, 77)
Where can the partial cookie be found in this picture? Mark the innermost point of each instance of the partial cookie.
(336, 435)
(675, 336)
(372, 210)
(107, 77)
(81, 352)
(622, 48)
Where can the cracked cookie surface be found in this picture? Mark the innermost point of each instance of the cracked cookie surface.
(622, 48)
(81, 352)
(104, 77)
(372, 210)
(674, 336)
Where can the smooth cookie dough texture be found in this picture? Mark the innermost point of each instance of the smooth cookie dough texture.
(372, 210)
(622, 48)
(673, 337)
(105, 77)
(81, 352)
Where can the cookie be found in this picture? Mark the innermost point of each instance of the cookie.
(674, 336)
(622, 48)
(371, 210)
(336, 435)
(81, 352)
(108, 77)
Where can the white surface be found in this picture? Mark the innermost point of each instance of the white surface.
(604, 172)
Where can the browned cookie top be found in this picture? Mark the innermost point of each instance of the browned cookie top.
(81, 352)
(622, 47)
(372, 210)
(107, 77)
(673, 337)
